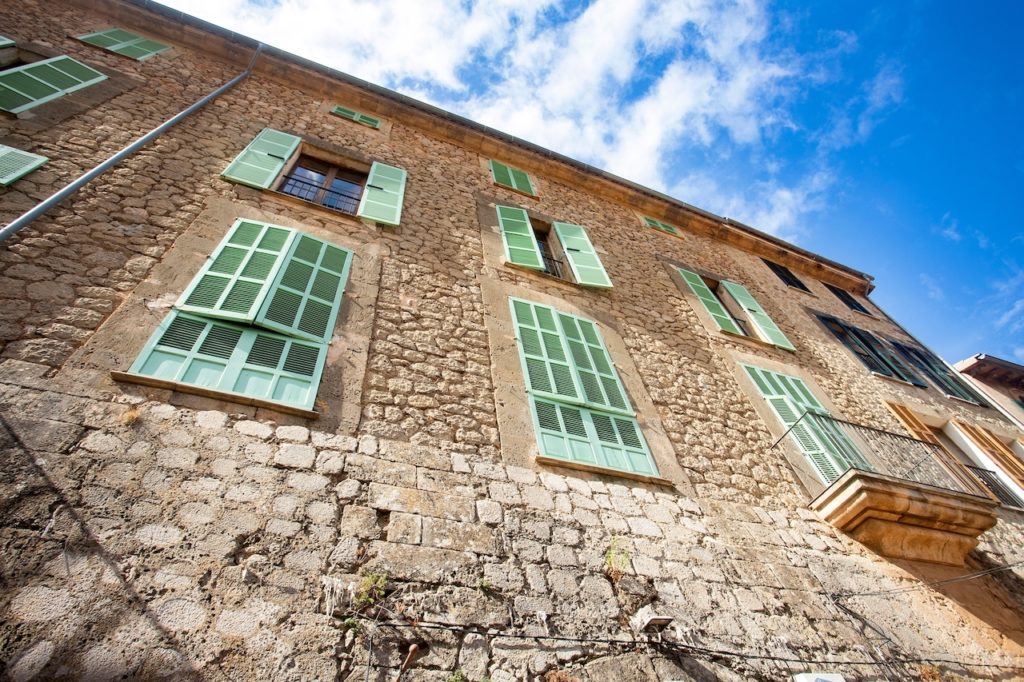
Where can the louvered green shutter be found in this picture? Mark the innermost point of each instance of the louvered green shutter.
(542, 350)
(520, 242)
(263, 159)
(658, 225)
(15, 164)
(305, 296)
(30, 85)
(356, 116)
(593, 366)
(764, 324)
(234, 281)
(221, 356)
(512, 178)
(125, 42)
(583, 259)
(6, 42)
(707, 298)
(385, 191)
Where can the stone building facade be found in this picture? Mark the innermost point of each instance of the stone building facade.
(422, 513)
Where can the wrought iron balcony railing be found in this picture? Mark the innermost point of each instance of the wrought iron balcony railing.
(996, 486)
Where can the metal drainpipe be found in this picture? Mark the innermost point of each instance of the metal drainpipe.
(25, 219)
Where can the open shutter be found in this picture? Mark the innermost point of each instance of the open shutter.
(385, 191)
(593, 366)
(512, 178)
(996, 449)
(583, 259)
(543, 353)
(30, 85)
(891, 358)
(15, 164)
(520, 242)
(766, 327)
(234, 281)
(658, 225)
(306, 292)
(6, 42)
(939, 373)
(710, 302)
(126, 43)
(263, 159)
(356, 116)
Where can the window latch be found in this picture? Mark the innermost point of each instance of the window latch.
(382, 189)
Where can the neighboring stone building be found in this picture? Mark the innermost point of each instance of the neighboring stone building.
(325, 382)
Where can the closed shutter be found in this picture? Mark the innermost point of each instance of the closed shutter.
(517, 235)
(658, 225)
(710, 302)
(226, 357)
(765, 325)
(542, 350)
(996, 449)
(30, 85)
(891, 358)
(593, 366)
(356, 116)
(263, 159)
(305, 296)
(125, 42)
(939, 373)
(513, 178)
(15, 164)
(873, 353)
(583, 259)
(385, 191)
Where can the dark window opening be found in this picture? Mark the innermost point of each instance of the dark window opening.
(786, 275)
(847, 298)
(319, 182)
(732, 308)
(874, 353)
(938, 373)
(549, 249)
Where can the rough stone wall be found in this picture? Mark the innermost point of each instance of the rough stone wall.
(147, 533)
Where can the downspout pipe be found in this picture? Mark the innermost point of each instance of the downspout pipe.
(28, 217)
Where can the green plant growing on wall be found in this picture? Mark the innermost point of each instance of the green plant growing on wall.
(456, 676)
(616, 561)
(370, 590)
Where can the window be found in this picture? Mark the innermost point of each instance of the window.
(1001, 470)
(786, 275)
(24, 86)
(847, 298)
(356, 116)
(261, 164)
(825, 447)
(125, 43)
(256, 320)
(581, 412)
(513, 178)
(15, 164)
(733, 308)
(872, 351)
(939, 374)
(658, 225)
(536, 245)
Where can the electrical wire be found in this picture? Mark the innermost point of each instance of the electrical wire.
(922, 586)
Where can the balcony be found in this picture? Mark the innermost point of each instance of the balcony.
(905, 498)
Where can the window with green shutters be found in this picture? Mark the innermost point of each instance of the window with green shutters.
(580, 409)
(125, 43)
(829, 451)
(658, 225)
(15, 164)
(938, 373)
(513, 178)
(30, 85)
(531, 245)
(356, 116)
(873, 352)
(257, 318)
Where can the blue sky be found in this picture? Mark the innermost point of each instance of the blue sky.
(885, 135)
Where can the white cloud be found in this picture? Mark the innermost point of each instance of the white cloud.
(932, 287)
(1013, 318)
(855, 121)
(949, 228)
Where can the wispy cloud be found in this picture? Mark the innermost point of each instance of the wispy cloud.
(856, 119)
(932, 287)
(949, 227)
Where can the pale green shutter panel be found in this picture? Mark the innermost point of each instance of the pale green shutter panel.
(15, 164)
(385, 191)
(5, 42)
(710, 302)
(517, 234)
(562, 433)
(30, 85)
(583, 259)
(512, 178)
(356, 116)
(263, 159)
(593, 366)
(764, 324)
(221, 356)
(125, 42)
(233, 282)
(658, 225)
(543, 353)
(306, 293)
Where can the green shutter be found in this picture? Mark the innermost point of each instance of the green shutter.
(595, 374)
(125, 42)
(356, 116)
(513, 178)
(305, 296)
(6, 42)
(520, 242)
(15, 164)
(30, 85)
(939, 373)
(658, 225)
(221, 356)
(583, 259)
(766, 327)
(718, 313)
(543, 352)
(583, 436)
(263, 159)
(234, 281)
(385, 191)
